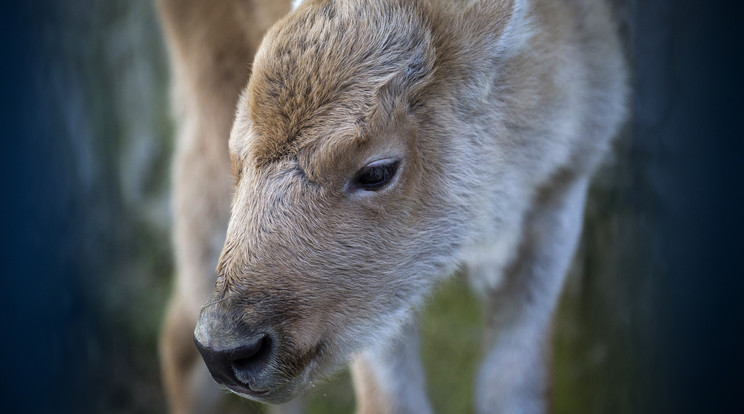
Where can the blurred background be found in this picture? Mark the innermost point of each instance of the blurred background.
(652, 316)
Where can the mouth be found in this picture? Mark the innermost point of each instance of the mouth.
(246, 391)
(276, 394)
(242, 389)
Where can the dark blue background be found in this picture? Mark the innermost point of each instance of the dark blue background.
(42, 303)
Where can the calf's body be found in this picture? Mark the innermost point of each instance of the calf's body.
(379, 146)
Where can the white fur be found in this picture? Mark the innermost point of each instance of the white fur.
(396, 372)
(513, 374)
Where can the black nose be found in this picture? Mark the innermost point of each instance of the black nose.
(236, 366)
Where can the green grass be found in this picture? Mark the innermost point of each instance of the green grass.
(451, 346)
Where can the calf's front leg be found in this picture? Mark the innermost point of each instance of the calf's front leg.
(513, 377)
(390, 378)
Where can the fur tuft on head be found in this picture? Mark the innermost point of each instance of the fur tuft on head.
(372, 57)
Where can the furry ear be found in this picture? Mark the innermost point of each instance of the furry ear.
(486, 34)
(496, 30)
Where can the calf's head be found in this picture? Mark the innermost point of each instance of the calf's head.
(343, 209)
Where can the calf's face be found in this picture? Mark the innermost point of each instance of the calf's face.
(337, 221)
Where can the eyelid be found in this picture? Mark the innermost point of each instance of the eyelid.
(379, 163)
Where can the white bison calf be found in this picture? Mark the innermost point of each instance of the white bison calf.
(380, 145)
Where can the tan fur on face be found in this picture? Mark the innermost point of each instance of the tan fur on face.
(488, 107)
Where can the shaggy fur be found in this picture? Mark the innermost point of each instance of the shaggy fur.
(497, 111)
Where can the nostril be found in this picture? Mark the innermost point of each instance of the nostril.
(249, 359)
(238, 365)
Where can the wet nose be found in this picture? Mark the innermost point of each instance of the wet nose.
(239, 365)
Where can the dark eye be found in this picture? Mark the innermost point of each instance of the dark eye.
(375, 175)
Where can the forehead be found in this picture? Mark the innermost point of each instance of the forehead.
(318, 73)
